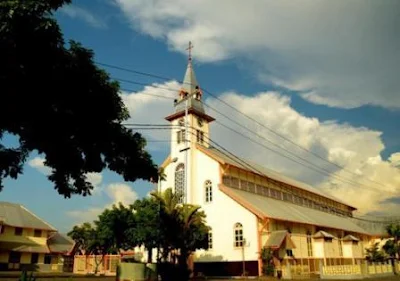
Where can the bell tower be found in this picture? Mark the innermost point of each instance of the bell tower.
(190, 122)
(190, 126)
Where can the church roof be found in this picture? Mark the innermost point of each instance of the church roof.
(266, 207)
(263, 171)
(373, 225)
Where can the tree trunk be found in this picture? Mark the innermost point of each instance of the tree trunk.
(150, 255)
(97, 264)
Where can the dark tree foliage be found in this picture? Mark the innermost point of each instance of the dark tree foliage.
(148, 230)
(82, 235)
(114, 224)
(93, 240)
(57, 102)
(374, 254)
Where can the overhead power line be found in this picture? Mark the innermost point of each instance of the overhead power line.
(235, 109)
(238, 160)
(321, 171)
(313, 166)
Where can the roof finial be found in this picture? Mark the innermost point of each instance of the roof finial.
(189, 49)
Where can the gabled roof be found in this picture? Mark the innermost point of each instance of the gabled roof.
(263, 171)
(276, 239)
(266, 207)
(17, 215)
(323, 234)
(60, 243)
(350, 238)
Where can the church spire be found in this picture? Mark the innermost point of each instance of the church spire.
(190, 86)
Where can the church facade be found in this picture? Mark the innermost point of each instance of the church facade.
(250, 207)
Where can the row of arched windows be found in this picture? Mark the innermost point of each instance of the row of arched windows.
(180, 185)
(239, 240)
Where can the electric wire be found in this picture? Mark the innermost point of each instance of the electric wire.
(232, 107)
(242, 162)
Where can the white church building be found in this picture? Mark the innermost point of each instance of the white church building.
(250, 207)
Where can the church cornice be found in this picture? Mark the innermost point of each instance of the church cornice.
(191, 110)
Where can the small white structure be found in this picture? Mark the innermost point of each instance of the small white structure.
(249, 207)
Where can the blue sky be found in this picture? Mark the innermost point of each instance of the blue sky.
(120, 34)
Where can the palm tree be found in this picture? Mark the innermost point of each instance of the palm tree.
(168, 221)
(183, 225)
(192, 221)
(394, 231)
(392, 247)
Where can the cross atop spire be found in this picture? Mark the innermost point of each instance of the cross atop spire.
(189, 49)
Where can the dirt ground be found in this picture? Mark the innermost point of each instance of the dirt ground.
(70, 277)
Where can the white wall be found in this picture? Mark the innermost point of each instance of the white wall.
(222, 214)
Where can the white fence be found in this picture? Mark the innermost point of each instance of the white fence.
(359, 270)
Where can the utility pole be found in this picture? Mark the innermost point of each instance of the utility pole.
(186, 149)
(243, 258)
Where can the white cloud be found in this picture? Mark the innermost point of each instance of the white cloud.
(338, 53)
(116, 193)
(139, 105)
(94, 178)
(79, 13)
(38, 164)
(357, 149)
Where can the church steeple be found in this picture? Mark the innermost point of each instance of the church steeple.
(190, 95)
(190, 86)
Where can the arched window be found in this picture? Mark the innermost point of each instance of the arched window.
(180, 181)
(238, 230)
(208, 191)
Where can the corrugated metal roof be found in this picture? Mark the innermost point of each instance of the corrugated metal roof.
(375, 227)
(60, 243)
(323, 234)
(263, 171)
(21, 246)
(350, 238)
(18, 216)
(281, 210)
(32, 249)
(276, 239)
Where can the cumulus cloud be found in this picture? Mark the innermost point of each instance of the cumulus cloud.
(147, 107)
(337, 53)
(94, 178)
(38, 163)
(358, 174)
(76, 12)
(116, 193)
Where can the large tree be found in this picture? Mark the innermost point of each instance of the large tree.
(147, 230)
(93, 240)
(115, 224)
(108, 234)
(57, 102)
(393, 247)
(82, 235)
